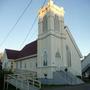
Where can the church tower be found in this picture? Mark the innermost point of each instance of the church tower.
(51, 40)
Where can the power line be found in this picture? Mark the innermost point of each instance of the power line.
(6, 37)
(31, 26)
(44, 3)
(29, 31)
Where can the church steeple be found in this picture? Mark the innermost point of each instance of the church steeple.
(50, 35)
(51, 7)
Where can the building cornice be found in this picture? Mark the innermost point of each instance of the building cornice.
(52, 33)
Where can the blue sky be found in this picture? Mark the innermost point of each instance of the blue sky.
(77, 18)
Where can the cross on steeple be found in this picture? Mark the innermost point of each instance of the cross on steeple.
(50, 1)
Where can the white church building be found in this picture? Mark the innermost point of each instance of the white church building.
(53, 55)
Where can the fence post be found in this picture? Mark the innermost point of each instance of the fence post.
(22, 86)
(28, 85)
(33, 82)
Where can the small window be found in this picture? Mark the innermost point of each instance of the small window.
(20, 64)
(25, 66)
(11, 64)
(45, 63)
(45, 75)
(45, 58)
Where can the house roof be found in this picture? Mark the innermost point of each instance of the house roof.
(12, 54)
(29, 49)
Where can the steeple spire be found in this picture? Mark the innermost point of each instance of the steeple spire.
(50, 1)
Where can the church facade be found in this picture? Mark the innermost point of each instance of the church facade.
(54, 50)
(56, 46)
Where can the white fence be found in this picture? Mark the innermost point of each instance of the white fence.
(22, 82)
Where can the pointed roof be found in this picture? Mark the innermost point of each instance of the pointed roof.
(29, 49)
(51, 7)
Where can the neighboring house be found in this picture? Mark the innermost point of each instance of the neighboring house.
(1, 54)
(27, 58)
(86, 66)
(0, 61)
(24, 59)
(8, 59)
(55, 49)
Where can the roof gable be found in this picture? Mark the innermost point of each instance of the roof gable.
(73, 41)
(12, 54)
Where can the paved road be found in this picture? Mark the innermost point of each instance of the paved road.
(78, 87)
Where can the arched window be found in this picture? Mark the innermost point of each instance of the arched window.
(68, 52)
(57, 54)
(20, 64)
(45, 58)
(45, 23)
(56, 23)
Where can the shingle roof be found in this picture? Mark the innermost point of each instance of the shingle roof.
(29, 49)
(12, 54)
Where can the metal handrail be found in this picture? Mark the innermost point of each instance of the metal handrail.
(17, 78)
